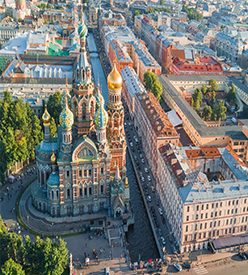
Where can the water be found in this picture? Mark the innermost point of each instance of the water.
(140, 238)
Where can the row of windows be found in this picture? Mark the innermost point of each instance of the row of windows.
(214, 224)
(214, 233)
(85, 190)
(216, 205)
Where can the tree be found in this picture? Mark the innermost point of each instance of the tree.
(54, 106)
(223, 27)
(222, 110)
(150, 10)
(3, 162)
(20, 20)
(212, 100)
(152, 84)
(197, 96)
(213, 85)
(37, 131)
(207, 111)
(203, 89)
(162, 2)
(136, 13)
(45, 21)
(231, 95)
(157, 90)
(197, 106)
(53, 127)
(10, 146)
(12, 268)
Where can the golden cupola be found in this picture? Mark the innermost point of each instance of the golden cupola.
(46, 117)
(53, 158)
(114, 79)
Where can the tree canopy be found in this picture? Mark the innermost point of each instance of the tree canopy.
(231, 95)
(219, 111)
(207, 111)
(213, 85)
(196, 101)
(54, 107)
(192, 13)
(40, 257)
(20, 132)
(153, 85)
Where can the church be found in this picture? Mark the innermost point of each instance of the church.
(83, 169)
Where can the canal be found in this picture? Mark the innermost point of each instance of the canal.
(140, 239)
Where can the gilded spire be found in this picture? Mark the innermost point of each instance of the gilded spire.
(114, 79)
(53, 158)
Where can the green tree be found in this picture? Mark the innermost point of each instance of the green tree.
(12, 268)
(149, 80)
(136, 13)
(45, 21)
(203, 89)
(231, 95)
(223, 27)
(150, 10)
(10, 146)
(157, 90)
(37, 131)
(213, 85)
(53, 127)
(213, 116)
(20, 20)
(54, 106)
(222, 110)
(197, 96)
(212, 100)
(197, 106)
(3, 162)
(207, 111)
(162, 2)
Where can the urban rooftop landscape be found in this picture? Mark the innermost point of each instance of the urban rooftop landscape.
(123, 137)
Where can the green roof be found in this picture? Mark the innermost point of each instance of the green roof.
(59, 41)
(55, 51)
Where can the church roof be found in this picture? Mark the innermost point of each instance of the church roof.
(53, 179)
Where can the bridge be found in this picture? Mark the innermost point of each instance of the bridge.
(93, 52)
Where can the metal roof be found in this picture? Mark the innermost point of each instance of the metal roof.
(230, 241)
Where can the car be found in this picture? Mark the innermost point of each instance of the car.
(156, 223)
(146, 170)
(141, 156)
(242, 255)
(125, 124)
(135, 157)
(146, 192)
(140, 173)
(186, 265)
(163, 241)
(143, 161)
(136, 140)
(160, 211)
(160, 232)
(153, 189)
(154, 217)
(170, 238)
(149, 178)
(131, 144)
(152, 209)
(106, 270)
(149, 198)
(143, 179)
(137, 146)
(157, 202)
(177, 266)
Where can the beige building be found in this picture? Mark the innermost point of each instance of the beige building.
(200, 209)
(201, 135)
(153, 126)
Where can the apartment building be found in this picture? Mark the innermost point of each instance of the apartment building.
(153, 126)
(199, 209)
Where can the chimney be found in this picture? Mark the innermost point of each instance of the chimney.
(223, 189)
(239, 186)
(212, 187)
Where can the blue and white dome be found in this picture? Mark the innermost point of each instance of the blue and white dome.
(101, 116)
(82, 30)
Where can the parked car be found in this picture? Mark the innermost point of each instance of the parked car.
(163, 219)
(141, 156)
(143, 179)
(160, 211)
(242, 255)
(153, 189)
(163, 240)
(143, 161)
(152, 209)
(170, 238)
(131, 144)
(149, 198)
(174, 250)
(146, 170)
(149, 178)
(177, 266)
(160, 232)
(186, 265)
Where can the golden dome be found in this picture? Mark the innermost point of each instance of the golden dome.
(53, 158)
(46, 117)
(114, 79)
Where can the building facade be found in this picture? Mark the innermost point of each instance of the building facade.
(82, 170)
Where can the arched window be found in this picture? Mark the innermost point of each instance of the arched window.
(75, 109)
(84, 110)
(115, 122)
(92, 108)
(52, 195)
(57, 194)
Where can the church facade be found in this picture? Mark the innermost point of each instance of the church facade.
(82, 170)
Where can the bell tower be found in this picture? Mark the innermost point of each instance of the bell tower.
(83, 100)
(115, 126)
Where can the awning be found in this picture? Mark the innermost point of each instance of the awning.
(230, 241)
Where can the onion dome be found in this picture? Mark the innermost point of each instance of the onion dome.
(101, 116)
(46, 117)
(66, 117)
(62, 101)
(114, 79)
(53, 158)
(82, 30)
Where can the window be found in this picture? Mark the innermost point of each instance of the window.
(214, 223)
(101, 170)
(230, 230)
(213, 233)
(212, 214)
(228, 211)
(188, 209)
(201, 216)
(245, 201)
(85, 173)
(81, 192)
(227, 222)
(234, 221)
(187, 228)
(212, 205)
(244, 209)
(68, 193)
(206, 215)
(218, 223)
(211, 224)
(101, 189)
(196, 217)
(203, 207)
(195, 236)
(196, 227)
(237, 202)
(186, 238)
(200, 225)
(85, 191)
(232, 211)
(197, 208)
(236, 210)
(67, 174)
(209, 234)
(90, 173)
(226, 231)
(217, 232)
(207, 206)
(90, 192)
(220, 213)
(205, 225)
(216, 204)
(187, 218)
(229, 203)
(215, 214)
(204, 235)
(199, 235)
(221, 204)
(80, 173)
(233, 202)
(230, 221)
(242, 219)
